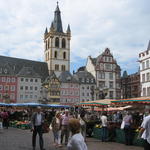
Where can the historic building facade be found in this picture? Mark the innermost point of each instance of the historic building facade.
(8, 84)
(130, 85)
(70, 91)
(52, 84)
(144, 60)
(57, 45)
(20, 79)
(87, 85)
(107, 74)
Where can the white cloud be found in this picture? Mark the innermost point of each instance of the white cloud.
(121, 25)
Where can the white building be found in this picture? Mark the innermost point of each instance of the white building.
(144, 59)
(107, 73)
(29, 86)
(87, 84)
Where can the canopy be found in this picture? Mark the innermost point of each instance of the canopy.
(34, 105)
(99, 103)
(139, 100)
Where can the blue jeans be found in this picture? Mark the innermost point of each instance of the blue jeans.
(104, 134)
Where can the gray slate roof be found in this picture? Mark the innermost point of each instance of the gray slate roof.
(16, 65)
(84, 75)
(67, 77)
(28, 72)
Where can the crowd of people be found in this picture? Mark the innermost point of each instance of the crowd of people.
(70, 127)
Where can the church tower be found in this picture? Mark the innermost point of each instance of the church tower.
(57, 45)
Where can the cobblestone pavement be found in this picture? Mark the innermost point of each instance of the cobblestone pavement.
(17, 139)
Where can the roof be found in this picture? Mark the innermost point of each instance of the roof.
(16, 65)
(67, 77)
(28, 72)
(84, 75)
(148, 48)
(57, 23)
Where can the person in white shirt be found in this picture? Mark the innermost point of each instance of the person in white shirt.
(77, 141)
(104, 135)
(145, 132)
(37, 121)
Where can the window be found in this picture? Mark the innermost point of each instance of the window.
(22, 79)
(21, 96)
(13, 80)
(57, 67)
(102, 75)
(36, 80)
(87, 87)
(111, 76)
(57, 42)
(64, 55)
(12, 96)
(31, 80)
(26, 87)
(87, 94)
(21, 88)
(26, 96)
(87, 80)
(147, 76)
(3, 79)
(101, 84)
(12, 88)
(83, 87)
(148, 91)
(63, 43)
(63, 67)
(55, 54)
(110, 59)
(31, 96)
(143, 77)
(82, 94)
(35, 96)
(31, 87)
(36, 88)
(108, 66)
(6, 87)
(8, 79)
(147, 64)
(26, 80)
(111, 84)
(111, 94)
(143, 65)
(144, 91)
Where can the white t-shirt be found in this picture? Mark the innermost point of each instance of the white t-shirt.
(104, 121)
(38, 119)
(77, 143)
(143, 124)
(146, 126)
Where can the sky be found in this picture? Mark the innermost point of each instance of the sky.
(121, 25)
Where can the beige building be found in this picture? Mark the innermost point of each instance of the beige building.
(57, 45)
(107, 73)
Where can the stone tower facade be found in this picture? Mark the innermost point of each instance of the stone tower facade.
(57, 45)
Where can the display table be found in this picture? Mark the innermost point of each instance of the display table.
(119, 136)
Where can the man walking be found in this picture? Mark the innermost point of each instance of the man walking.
(37, 121)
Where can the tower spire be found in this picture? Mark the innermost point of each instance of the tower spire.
(57, 20)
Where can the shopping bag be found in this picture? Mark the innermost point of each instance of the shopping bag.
(1, 125)
(122, 125)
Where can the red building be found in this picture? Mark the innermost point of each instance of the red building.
(8, 88)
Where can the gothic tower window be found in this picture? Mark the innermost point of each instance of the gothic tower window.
(64, 55)
(63, 67)
(57, 67)
(57, 42)
(63, 43)
(55, 54)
